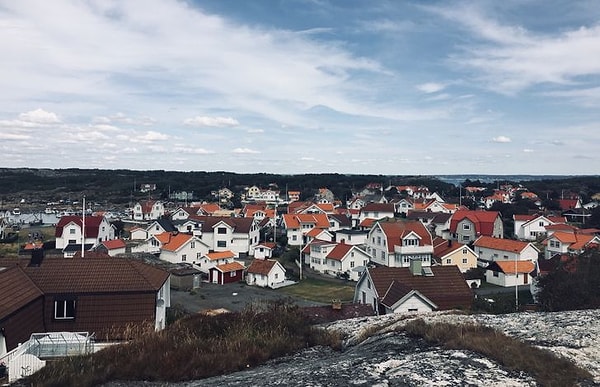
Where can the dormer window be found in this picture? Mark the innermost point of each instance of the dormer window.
(411, 242)
(466, 226)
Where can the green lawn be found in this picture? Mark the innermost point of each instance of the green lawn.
(320, 290)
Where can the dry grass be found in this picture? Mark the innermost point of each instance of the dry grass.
(193, 347)
(547, 368)
(320, 290)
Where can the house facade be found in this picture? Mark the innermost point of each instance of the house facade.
(70, 229)
(297, 226)
(237, 234)
(213, 259)
(102, 296)
(452, 253)
(466, 225)
(533, 227)
(504, 273)
(176, 247)
(396, 243)
(413, 289)
(266, 273)
(563, 242)
(226, 273)
(148, 210)
(337, 259)
(506, 250)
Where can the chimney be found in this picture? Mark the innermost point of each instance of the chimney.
(37, 256)
(415, 267)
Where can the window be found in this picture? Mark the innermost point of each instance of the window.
(294, 237)
(541, 223)
(351, 264)
(276, 275)
(64, 309)
(411, 242)
(183, 257)
(464, 251)
(192, 245)
(413, 309)
(382, 254)
(232, 273)
(71, 231)
(466, 226)
(368, 284)
(72, 241)
(198, 255)
(495, 274)
(506, 257)
(448, 261)
(465, 261)
(465, 238)
(221, 243)
(378, 240)
(221, 230)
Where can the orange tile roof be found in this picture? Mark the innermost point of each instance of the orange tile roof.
(229, 267)
(508, 267)
(171, 241)
(501, 244)
(339, 252)
(295, 220)
(114, 244)
(395, 231)
(220, 255)
(367, 222)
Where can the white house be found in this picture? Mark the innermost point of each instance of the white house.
(179, 247)
(396, 243)
(210, 260)
(561, 242)
(351, 237)
(298, 225)
(265, 273)
(507, 250)
(337, 259)
(69, 232)
(532, 227)
(264, 250)
(148, 210)
(506, 273)
(376, 211)
(240, 235)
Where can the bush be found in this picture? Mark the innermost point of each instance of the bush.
(543, 365)
(194, 347)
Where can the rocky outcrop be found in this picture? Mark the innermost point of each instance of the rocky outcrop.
(377, 353)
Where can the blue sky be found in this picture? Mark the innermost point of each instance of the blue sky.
(302, 86)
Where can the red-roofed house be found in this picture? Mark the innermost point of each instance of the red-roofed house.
(561, 242)
(466, 225)
(226, 273)
(264, 250)
(504, 250)
(298, 225)
(210, 260)
(68, 233)
(506, 273)
(396, 243)
(413, 289)
(532, 227)
(266, 273)
(336, 259)
(178, 247)
(112, 247)
(148, 210)
(569, 204)
(376, 211)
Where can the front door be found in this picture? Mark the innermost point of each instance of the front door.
(525, 279)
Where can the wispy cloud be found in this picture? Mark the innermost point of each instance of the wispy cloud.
(217, 122)
(431, 87)
(244, 151)
(501, 139)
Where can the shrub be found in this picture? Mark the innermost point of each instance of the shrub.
(543, 365)
(194, 347)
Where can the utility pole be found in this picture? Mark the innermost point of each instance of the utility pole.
(516, 286)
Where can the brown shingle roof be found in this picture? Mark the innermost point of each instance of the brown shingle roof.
(60, 275)
(16, 290)
(447, 287)
(260, 266)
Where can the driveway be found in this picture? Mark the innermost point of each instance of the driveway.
(233, 297)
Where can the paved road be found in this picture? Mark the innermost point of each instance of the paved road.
(233, 297)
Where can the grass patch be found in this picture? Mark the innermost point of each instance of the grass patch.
(547, 368)
(193, 347)
(320, 290)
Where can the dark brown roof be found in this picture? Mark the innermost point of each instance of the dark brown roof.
(447, 287)
(240, 225)
(83, 275)
(16, 290)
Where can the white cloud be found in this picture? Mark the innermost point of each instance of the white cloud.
(14, 136)
(527, 150)
(501, 139)
(256, 131)
(150, 136)
(217, 122)
(430, 87)
(244, 150)
(39, 116)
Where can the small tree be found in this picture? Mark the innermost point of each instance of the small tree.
(574, 284)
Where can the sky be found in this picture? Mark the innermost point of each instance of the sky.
(302, 86)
